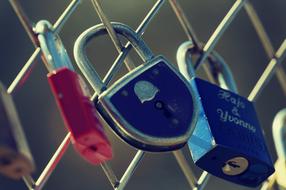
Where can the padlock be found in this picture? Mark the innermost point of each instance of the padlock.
(15, 157)
(279, 136)
(227, 141)
(152, 107)
(73, 99)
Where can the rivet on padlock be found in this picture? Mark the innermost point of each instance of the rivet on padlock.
(72, 97)
(279, 136)
(15, 157)
(152, 107)
(227, 141)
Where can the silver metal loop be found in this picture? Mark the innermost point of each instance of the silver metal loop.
(52, 47)
(185, 65)
(83, 62)
(24, 73)
(221, 72)
(224, 74)
(279, 133)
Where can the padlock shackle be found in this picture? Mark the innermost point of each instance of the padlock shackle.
(223, 75)
(184, 63)
(279, 133)
(82, 41)
(52, 47)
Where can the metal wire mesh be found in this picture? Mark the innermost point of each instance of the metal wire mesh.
(276, 57)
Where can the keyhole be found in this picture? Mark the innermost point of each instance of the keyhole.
(93, 148)
(168, 113)
(18, 170)
(5, 161)
(161, 106)
(235, 166)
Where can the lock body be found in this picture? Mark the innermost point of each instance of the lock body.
(15, 157)
(227, 140)
(80, 115)
(151, 108)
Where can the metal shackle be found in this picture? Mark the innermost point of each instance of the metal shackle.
(279, 133)
(83, 62)
(184, 63)
(224, 74)
(52, 47)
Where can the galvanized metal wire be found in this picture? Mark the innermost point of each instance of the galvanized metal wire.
(276, 58)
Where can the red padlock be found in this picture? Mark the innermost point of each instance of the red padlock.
(72, 97)
(80, 115)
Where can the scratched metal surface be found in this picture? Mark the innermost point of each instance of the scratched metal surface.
(44, 128)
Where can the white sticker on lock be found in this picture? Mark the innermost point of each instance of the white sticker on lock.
(145, 91)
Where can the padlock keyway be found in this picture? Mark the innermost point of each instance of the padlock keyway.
(159, 105)
(5, 161)
(235, 166)
(166, 111)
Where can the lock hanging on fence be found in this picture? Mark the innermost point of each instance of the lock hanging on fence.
(227, 141)
(73, 98)
(15, 157)
(152, 107)
(279, 136)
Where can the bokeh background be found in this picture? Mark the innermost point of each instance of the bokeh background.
(40, 117)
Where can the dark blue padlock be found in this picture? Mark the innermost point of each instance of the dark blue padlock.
(227, 141)
(152, 107)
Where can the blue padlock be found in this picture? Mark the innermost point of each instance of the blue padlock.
(152, 107)
(227, 141)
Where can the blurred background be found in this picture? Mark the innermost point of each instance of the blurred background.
(40, 117)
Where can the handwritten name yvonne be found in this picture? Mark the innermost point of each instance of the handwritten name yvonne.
(226, 117)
